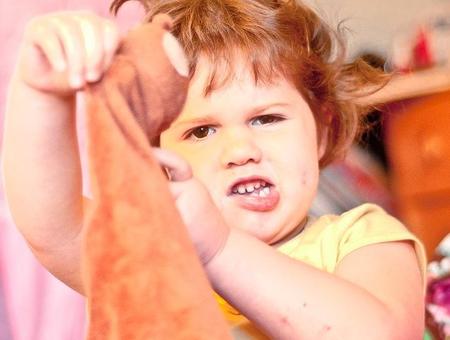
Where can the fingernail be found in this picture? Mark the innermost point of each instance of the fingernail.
(92, 75)
(175, 54)
(76, 81)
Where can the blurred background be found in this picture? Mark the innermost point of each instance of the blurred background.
(402, 164)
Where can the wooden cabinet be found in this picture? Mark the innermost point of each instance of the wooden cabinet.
(418, 147)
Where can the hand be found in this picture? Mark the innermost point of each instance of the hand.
(203, 220)
(63, 51)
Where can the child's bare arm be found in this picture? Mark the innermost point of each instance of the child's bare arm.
(376, 292)
(41, 165)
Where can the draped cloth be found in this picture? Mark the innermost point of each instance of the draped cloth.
(142, 276)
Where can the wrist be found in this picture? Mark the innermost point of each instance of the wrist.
(60, 94)
(22, 96)
(219, 262)
(66, 97)
(219, 245)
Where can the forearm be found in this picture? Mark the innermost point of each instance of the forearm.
(289, 299)
(41, 169)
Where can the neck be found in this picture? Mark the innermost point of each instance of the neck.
(294, 232)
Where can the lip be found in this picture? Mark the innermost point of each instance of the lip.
(244, 180)
(255, 203)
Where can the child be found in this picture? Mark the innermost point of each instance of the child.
(266, 107)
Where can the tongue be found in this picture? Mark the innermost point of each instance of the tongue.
(252, 200)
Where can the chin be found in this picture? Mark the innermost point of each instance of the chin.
(262, 226)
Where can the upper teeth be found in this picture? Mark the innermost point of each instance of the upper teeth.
(248, 187)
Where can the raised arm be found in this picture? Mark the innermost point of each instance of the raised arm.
(41, 167)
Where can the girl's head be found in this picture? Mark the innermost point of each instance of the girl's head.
(275, 37)
(269, 101)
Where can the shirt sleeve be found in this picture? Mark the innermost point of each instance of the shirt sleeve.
(370, 224)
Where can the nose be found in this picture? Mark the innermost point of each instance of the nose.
(239, 148)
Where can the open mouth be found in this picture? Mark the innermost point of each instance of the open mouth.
(256, 187)
(254, 193)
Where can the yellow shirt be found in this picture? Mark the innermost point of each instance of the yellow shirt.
(324, 242)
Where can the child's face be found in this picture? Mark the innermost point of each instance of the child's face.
(241, 138)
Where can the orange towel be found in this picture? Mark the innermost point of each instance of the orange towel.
(143, 279)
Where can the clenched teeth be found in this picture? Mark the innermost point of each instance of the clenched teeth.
(264, 192)
(251, 187)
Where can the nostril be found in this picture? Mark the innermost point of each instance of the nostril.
(239, 148)
(241, 161)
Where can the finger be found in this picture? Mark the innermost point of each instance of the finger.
(93, 46)
(178, 169)
(71, 38)
(177, 188)
(111, 39)
(176, 55)
(47, 42)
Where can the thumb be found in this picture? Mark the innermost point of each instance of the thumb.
(176, 167)
(176, 55)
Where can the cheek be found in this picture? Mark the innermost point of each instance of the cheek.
(181, 149)
(296, 157)
(199, 159)
(298, 168)
(309, 180)
(303, 182)
(203, 168)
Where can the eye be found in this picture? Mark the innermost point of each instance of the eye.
(200, 132)
(266, 119)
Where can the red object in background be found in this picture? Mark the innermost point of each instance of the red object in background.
(439, 293)
(422, 55)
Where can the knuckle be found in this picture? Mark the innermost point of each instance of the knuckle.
(111, 31)
(110, 26)
(35, 27)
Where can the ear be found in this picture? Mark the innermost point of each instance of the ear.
(322, 142)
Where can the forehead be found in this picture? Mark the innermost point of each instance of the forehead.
(238, 88)
(240, 95)
(217, 71)
(212, 76)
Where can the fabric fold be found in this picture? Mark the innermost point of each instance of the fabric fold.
(142, 276)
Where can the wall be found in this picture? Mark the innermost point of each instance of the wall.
(374, 23)
(33, 304)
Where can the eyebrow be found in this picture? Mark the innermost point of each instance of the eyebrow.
(206, 119)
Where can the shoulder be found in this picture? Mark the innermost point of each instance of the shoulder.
(365, 223)
(368, 223)
(330, 238)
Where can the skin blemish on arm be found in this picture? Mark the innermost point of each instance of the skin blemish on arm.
(284, 320)
(324, 331)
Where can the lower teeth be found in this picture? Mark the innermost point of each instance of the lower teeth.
(264, 192)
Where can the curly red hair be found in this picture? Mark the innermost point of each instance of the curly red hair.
(278, 38)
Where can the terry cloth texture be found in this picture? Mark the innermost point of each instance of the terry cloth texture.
(142, 276)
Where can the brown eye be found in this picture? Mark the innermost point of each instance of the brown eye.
(264, 120)
(201, 132)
